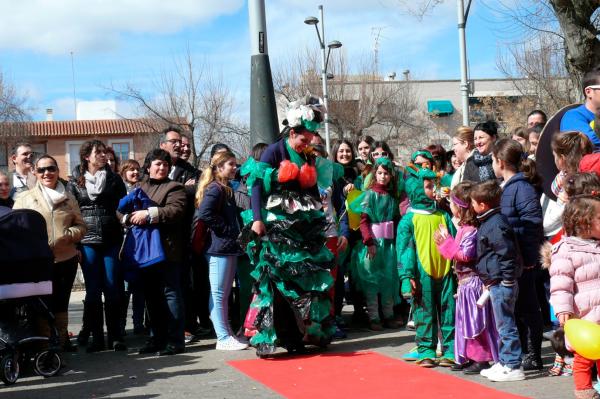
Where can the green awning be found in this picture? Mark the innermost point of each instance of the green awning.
(440, 107)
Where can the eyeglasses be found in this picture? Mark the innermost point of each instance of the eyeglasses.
(380, 154)
(50, 169)
(174, 141)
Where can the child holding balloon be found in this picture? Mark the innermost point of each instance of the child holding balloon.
(575, 280)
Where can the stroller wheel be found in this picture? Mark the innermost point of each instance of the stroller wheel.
(47, 363)
(9, 369)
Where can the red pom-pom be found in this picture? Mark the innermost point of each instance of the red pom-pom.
(308, 176)
(287, 171)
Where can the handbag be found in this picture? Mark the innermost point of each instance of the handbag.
(201, 231)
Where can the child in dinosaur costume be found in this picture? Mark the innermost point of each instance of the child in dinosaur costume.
(424, 273)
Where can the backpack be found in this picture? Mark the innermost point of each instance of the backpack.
(201, 232)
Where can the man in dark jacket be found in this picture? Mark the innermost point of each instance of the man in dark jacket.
(499, 265)
(195, 289)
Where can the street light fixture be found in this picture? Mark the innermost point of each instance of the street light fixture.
(324, 63)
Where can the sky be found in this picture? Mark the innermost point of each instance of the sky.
(116, 43)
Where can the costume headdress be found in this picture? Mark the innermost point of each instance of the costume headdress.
(423, 153)
(306, 112)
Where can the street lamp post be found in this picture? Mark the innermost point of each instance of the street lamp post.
(464, 84)
(324, 62)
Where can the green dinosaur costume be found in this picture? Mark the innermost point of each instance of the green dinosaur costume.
(378, 275)
(421, 261)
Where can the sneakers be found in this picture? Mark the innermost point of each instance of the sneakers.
(375, 326)
(427, 363)
(230, 344)
(557, 367)
(506, 374)
(410, 325)
(446, 362)
(476, 368)
(485, 373)
(339, 333)
(412, 355)
(532, 362)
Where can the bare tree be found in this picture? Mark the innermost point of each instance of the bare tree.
(12, 104)
(359, 103)
(575, 25)
(538, 72)
(196, 99)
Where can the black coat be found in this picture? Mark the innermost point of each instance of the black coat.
(498, 256)
(100, 215)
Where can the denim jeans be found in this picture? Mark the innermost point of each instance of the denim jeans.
(503, 305)
(163, 293)
(221, 271)
(103, 274)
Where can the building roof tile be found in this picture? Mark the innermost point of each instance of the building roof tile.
(106, 127)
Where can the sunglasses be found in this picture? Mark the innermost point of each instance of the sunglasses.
(380, 154)
(50, 169)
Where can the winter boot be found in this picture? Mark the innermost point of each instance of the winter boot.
(96, 326)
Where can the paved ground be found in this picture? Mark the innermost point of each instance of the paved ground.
(203, 372)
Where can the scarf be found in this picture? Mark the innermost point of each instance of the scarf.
(484, 165)
(294, 156)
(54, 197)
(94, 184)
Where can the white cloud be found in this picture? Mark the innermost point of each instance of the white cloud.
(55, 27)
(355, 24)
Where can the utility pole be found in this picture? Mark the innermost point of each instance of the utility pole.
(264, 127)
(462, 43)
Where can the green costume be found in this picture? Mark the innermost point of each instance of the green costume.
(379, 275)
(421, 261)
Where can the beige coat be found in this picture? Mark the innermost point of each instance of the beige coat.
(64, 223)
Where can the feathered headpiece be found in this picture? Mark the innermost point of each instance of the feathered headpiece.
(306, 112)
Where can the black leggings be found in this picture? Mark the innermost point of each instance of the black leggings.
(528, 314)
(63, 275)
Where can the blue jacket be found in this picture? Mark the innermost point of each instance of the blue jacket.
(579, 119)
(219, 212)
(498, 257)
(142, 245)
(520, 203)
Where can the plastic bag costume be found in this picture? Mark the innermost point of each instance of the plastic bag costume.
(422, 262)
(291, 262)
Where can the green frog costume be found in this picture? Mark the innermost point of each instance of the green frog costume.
(377, 276)
(420, 261)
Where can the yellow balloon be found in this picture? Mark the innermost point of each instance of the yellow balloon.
(353, 217)
(584, 338)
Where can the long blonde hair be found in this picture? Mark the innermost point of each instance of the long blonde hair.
(209, 174)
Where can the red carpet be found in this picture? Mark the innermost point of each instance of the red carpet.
(360, 375)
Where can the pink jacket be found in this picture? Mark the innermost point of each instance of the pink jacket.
(575, 278)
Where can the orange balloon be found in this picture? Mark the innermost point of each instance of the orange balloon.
(584, 337)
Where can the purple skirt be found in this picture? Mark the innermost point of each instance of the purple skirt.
(476, 337)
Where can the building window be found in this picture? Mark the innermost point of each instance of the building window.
(3, 155)
(123, 149)
(72, 151)
(38, 149)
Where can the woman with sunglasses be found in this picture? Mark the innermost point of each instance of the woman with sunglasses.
(66, 228)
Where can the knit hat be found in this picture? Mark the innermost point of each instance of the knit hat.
(590, 163)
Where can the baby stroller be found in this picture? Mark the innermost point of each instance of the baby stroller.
(26, 263)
